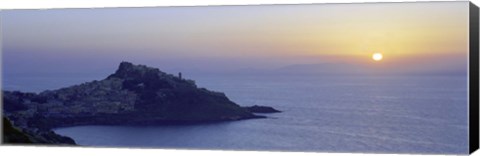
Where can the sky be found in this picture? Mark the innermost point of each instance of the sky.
(411, 36)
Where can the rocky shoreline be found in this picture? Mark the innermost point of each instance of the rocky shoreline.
(261, 109)
(133, 95)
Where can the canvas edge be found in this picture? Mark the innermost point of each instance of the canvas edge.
(473, 78)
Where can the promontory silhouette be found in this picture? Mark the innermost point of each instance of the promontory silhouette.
(134, 94)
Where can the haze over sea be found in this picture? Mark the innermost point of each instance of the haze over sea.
(380, 114)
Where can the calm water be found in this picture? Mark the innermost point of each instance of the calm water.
(411, 114)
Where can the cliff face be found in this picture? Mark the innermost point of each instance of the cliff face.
(134, 94)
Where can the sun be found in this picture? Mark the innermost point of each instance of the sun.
(377, 56)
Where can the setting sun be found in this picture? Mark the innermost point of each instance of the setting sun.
(377, 56)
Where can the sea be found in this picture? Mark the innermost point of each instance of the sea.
(415, 114)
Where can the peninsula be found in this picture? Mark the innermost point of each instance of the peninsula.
(133, 95)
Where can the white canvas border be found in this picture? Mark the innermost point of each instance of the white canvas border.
(80, 151)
